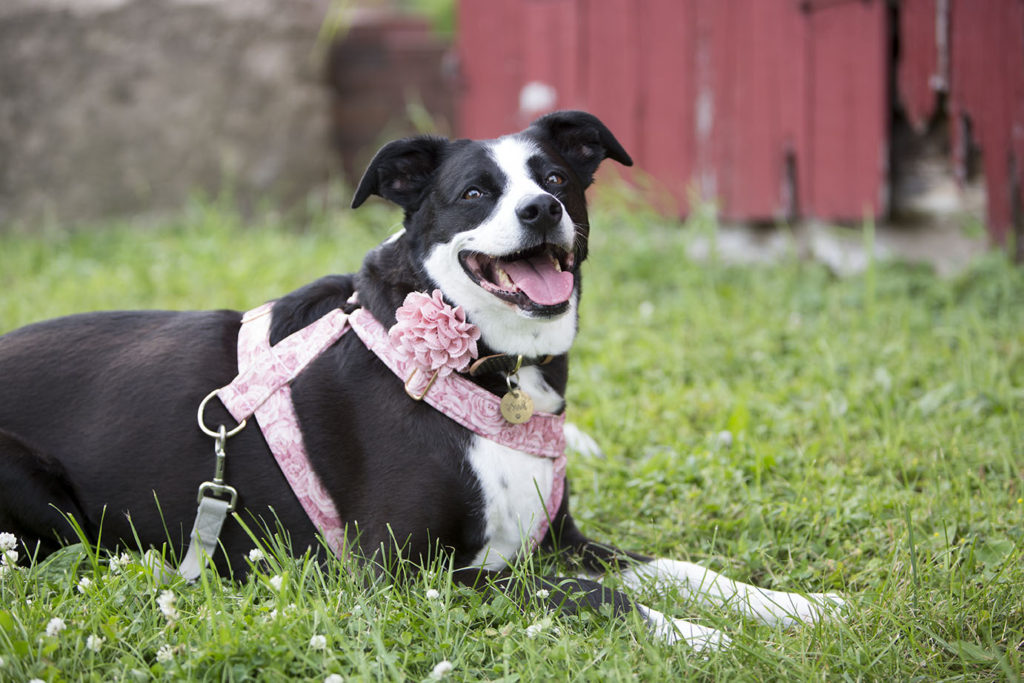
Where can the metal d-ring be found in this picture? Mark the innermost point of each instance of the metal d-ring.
(207, 430)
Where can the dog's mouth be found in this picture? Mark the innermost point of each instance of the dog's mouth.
(537, 280)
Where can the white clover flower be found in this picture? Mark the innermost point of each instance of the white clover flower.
(543, 593)
(36, 680)
(55, 626)
(334, 678)
(432, 594)
(94, 643)
(534, 630)
(9, 558)
(84, 584)
(256, 555)
(276, 581)
(318, 642)
(166, 602)
(8, 541)
(118, 563)
(443, 668)
(165, 654)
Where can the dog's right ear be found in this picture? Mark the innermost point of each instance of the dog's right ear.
(401, 171)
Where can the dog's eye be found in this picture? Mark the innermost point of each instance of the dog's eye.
(472, 193)
(554, 179)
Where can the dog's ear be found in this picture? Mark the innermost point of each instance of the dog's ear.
(401, 171)
(582, 140)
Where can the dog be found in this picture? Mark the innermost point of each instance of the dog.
(98, 411)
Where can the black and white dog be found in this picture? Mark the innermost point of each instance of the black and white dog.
(97, 411)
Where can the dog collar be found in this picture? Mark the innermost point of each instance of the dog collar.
(505, 363)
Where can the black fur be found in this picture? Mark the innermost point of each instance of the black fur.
(98, 411)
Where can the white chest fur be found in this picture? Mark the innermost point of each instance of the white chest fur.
(515, 485)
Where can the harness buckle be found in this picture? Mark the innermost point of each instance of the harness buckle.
(422, 394)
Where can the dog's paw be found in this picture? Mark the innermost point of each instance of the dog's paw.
(793, 609)
(672, 631)
(700, 638)
(578, 441)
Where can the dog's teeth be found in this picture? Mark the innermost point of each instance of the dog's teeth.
(555, 262)
(504, 280)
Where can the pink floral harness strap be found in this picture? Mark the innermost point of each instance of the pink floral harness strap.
(265, 373)
(262, 389)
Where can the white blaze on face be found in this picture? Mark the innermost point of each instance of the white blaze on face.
(503, 325)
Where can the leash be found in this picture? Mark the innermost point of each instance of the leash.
(212, 510)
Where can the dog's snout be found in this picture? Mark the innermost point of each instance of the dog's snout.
(540, 212)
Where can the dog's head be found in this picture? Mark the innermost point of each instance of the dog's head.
(499, 226)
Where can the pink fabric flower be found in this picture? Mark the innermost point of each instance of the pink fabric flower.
(433, 335)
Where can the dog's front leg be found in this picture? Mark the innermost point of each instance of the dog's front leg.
(689, 579)
(570, 595)
(597, 558)
(712, 588)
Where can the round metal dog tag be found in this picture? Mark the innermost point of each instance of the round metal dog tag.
(517, 406)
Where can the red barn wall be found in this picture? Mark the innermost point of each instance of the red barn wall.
(987, 89)
(775, 109)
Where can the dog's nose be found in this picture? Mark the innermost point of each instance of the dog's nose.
(541, 212)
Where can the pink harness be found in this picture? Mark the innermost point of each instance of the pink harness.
(262, 389)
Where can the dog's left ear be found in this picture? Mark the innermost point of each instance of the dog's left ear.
(583, 140)
(401, 171)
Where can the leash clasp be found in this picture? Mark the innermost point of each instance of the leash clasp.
(217, 487)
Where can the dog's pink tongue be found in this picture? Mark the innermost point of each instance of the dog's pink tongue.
(538, 278)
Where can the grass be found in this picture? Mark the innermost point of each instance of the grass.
(862, 435)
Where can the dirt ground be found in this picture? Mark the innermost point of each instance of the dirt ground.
(948, 246)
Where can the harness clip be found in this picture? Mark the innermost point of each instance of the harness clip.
(217, 487)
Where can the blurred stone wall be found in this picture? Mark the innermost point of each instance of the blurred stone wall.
(114, 107)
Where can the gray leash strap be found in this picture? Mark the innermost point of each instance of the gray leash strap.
(205, 534)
